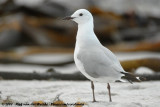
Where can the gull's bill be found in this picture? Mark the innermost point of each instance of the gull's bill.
(68, 18)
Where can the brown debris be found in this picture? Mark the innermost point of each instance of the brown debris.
(38, 103)
(80, 104)
(59, 103)
(55, 34)
(7, 101)
(107, 14)
(42, 25)
(14, 55)
(15, 25)
(141, 46)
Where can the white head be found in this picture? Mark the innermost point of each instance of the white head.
(81, 16)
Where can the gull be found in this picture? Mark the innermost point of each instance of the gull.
(95, 61)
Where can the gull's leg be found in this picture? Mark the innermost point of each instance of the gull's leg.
(109, 92)
(92, 86)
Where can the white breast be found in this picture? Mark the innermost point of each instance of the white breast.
(79, 64)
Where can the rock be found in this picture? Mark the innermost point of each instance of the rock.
(152, 63)
(144, 71)
(9, 39)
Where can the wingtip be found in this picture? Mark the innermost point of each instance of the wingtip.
(132, 78)
(138, 78)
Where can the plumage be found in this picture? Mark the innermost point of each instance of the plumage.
(97, 64)
(95, 61)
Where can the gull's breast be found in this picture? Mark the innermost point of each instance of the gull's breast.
(79, 64)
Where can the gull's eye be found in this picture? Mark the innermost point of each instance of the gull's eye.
(80, 14)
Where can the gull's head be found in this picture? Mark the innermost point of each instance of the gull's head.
(80, 16)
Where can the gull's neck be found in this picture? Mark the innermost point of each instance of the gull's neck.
(86, 35)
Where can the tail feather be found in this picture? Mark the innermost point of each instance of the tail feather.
(130, 77)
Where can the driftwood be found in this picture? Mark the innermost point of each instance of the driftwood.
(41, 76)
(56, 75)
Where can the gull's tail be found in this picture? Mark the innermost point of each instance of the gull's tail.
(131, 78)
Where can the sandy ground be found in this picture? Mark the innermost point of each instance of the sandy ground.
(144, 94)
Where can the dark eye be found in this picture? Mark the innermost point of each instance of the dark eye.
(80, 14)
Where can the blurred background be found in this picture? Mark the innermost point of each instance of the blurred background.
(35, 43)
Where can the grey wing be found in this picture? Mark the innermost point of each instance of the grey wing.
(97, 64)
(114, 59)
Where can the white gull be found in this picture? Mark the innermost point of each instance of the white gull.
(95, 61)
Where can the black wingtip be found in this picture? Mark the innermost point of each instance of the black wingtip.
(131, 77)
